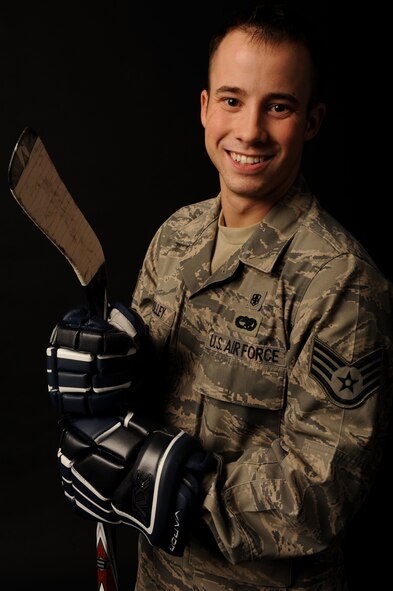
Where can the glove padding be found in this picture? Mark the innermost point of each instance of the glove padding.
(91, 362)
(135, 472)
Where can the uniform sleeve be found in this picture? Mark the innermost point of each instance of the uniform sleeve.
(294, 498)
(147, 281)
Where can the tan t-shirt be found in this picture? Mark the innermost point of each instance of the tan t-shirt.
(228, 241)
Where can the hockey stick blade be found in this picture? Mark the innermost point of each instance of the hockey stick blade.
(39, 190)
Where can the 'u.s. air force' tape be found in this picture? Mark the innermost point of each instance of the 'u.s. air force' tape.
(346, 384)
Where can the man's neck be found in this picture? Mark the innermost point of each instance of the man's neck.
(241, 212)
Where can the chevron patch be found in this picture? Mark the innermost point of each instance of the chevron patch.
(347, 385)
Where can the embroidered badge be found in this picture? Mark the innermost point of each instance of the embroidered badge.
(256, 299)
(246, 322)
(346, 384)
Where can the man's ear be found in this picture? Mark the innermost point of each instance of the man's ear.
(314, 120)
(204, 102)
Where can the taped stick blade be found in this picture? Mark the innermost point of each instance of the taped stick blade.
(21, 155)
(40, 191)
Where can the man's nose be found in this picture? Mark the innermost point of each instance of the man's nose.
(252, 126)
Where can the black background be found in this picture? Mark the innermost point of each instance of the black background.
(113, 91)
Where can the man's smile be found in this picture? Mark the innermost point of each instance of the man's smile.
(249, 159)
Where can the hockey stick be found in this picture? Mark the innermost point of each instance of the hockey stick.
(39, 190)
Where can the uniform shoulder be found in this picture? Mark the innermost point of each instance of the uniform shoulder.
(327, 233)
(187, 222)
(190, 212)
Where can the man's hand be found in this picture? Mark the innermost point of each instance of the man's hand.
(133, 471)
(92, 363)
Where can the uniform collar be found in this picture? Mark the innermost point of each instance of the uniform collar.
(261, 250)
(204, 223)
(277, 228)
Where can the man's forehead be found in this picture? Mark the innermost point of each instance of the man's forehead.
(242, 60)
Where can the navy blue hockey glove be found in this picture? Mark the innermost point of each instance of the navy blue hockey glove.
(133, 471)
(92, 363)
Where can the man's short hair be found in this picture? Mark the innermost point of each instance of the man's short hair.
(275, 21)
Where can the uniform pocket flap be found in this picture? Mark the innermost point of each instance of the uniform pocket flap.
(256, 385)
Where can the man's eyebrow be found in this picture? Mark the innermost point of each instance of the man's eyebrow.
(231, 89)
(282, 96)
(271, 96)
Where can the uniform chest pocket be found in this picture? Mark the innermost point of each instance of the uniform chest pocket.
(242, 372)
(243, 387)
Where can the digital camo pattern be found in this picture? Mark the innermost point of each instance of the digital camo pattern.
(280, 362)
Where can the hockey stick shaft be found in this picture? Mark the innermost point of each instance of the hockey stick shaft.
(37, 187)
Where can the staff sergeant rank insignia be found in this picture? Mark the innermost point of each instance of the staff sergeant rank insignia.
(347, 385)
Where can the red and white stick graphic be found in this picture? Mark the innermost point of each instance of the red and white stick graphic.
(106, 564)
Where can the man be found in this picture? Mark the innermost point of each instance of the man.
(272, 331)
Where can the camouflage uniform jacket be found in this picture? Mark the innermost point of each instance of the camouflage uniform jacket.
(278, 362)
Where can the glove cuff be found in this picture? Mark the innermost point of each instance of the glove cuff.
(153, 496)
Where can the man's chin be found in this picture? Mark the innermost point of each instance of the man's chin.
(255, 192)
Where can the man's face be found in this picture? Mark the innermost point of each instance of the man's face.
(256, 115)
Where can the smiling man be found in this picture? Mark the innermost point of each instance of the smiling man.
(258, 112)
(277, 333)
(270, 338)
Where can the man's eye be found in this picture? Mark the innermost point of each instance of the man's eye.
(231, 102)
(279, 108)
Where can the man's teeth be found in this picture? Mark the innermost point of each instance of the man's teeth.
(247, 159)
